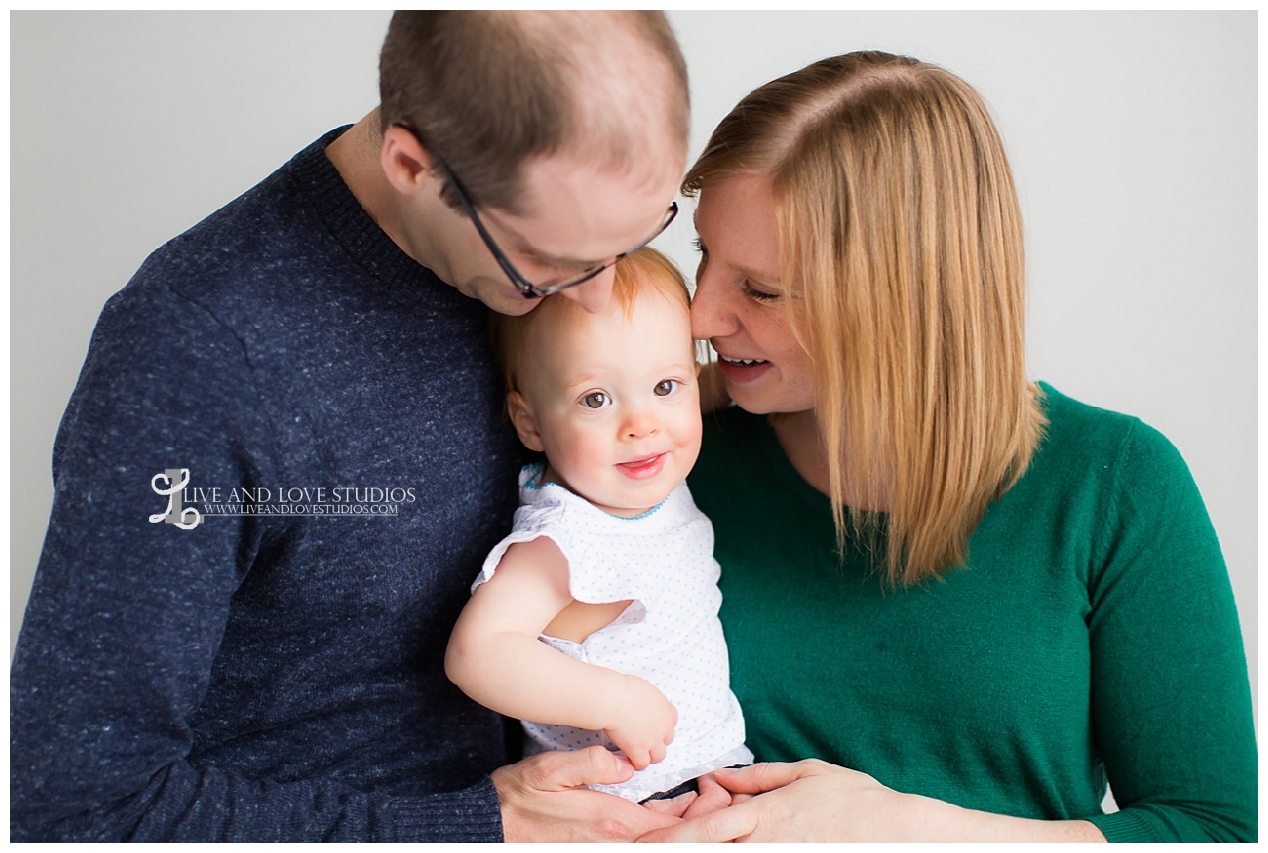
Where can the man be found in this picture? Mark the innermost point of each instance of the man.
(261, 658)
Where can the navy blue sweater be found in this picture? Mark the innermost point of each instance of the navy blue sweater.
(267, 675)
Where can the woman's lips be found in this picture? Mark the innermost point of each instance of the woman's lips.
(643, 469)
(742, 369)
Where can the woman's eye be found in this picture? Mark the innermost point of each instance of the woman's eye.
(704, 259)
(665, 388)
(759, 295)
(595, 400)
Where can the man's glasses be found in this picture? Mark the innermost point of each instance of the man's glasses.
(526, 287)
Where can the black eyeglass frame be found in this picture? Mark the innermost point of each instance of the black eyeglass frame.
(526, 288)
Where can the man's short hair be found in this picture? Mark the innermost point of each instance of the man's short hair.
(488, 91)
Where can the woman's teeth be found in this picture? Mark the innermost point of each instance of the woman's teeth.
(747, 362)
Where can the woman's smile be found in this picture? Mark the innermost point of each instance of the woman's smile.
(743, 369)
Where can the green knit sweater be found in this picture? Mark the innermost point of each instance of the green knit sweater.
(1093, 634)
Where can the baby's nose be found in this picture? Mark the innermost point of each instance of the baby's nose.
(641, 423)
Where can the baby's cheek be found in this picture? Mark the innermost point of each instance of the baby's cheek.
(582, 453)
(690, 429)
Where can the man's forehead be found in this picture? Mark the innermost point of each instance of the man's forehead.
(579, 176)
(574, 212)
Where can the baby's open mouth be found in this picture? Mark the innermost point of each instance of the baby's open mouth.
(639, 469)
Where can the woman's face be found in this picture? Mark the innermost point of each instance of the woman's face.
(739, 298)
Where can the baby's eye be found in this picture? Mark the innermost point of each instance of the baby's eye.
(666, 387)
(595, 400)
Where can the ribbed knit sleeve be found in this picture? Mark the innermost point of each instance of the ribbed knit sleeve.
(1170, 698)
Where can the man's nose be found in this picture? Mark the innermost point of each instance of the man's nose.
(594, 294)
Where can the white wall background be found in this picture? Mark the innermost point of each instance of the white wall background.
(1132, 137)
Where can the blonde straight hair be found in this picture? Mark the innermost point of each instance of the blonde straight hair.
(901, 250)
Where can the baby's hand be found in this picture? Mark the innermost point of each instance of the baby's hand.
(645, 722)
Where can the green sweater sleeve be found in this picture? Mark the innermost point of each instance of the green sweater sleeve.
(1170, 696)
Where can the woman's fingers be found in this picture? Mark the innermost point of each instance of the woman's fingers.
(733, 824)
(676, 807)
(760, 778)
(712, 797)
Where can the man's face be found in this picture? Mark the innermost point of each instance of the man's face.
(575, 215)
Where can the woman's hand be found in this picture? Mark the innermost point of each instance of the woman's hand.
(644, 722)
(712, 797)
(807, 801)
(816, 801)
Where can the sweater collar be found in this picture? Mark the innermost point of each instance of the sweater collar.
(360, 235)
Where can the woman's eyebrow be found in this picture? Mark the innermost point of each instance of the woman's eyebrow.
(760, 276)
(755, 275)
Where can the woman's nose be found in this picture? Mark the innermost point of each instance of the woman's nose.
(711, 316)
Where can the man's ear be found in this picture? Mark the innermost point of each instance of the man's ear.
(525, 423)
(406, 163)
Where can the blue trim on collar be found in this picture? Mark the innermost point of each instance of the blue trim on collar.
(539, 468)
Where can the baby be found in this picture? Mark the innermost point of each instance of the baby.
(596, 619)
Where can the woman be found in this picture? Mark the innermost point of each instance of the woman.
(977, 598)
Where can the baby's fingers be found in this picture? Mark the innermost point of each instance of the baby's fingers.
(640, 760)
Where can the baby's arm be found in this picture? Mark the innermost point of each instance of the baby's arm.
(495, 657)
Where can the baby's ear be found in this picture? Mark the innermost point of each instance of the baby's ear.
(525, 424)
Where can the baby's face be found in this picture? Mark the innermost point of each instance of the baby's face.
(614, 402)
